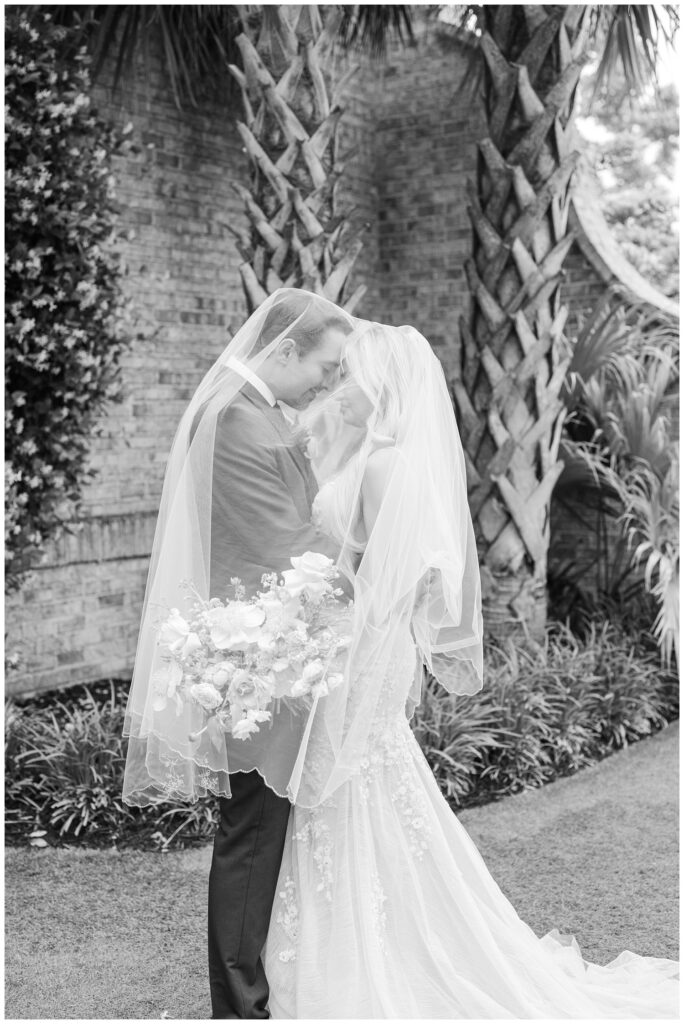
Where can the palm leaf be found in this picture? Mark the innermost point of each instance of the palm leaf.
(373, 25)
(198, 42)
(634, 35)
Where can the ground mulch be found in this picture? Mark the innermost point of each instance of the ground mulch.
(104, 934)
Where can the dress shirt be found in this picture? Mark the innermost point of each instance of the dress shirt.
(249, 375)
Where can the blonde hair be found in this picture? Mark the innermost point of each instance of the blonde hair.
(380, 363)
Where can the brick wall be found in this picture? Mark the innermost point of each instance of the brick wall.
(77, 620)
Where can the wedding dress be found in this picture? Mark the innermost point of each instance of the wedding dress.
(385, 909)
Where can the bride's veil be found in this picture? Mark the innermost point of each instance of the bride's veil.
(169, 752)
(416, 575)
(415, 581)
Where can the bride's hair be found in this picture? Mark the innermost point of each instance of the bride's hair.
(387, 364)
(382, 361)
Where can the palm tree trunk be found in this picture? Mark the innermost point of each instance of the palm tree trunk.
(513, 356)
(289, 131)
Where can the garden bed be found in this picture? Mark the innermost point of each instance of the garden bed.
(545, 712)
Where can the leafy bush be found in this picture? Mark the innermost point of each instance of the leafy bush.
(65, 760)
(621, 464)
(545, 711)
(63, 302)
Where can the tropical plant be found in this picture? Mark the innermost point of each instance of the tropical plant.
(64, 327)
(289, 131)
(548, 710)
(513, 360)
(620, 449)
(198, 41)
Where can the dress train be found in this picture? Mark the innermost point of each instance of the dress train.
(385, 909)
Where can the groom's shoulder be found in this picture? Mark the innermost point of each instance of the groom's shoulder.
(243, 418)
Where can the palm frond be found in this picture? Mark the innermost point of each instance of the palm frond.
(372, 26)
(634, 35)
(197, 42)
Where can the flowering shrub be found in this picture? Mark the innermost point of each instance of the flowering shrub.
(235, 658)
(62, 275)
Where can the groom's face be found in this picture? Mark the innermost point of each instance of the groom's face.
(308, 373)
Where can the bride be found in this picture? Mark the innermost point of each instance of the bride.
(384, 908)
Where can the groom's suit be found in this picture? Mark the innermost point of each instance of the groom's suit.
(262, 490)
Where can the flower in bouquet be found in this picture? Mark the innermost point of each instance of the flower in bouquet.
(177, 635)
(235, 625)
(246, 725)
(232, 658)
(311, 575)
(281, 611)
(207, 695)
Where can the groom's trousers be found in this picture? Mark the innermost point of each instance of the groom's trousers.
(248, 849)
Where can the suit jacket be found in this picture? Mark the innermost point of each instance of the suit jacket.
(262, 491)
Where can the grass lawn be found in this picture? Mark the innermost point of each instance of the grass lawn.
(101, 934)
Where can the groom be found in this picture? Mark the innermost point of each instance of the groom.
(262, 491)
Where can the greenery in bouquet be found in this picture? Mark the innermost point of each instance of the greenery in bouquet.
(235, 658)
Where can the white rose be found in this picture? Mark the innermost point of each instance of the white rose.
(313, 563)
(206, 695)
(309, 575)
(294, 582)
(297, 583)
(174, 631)
(320, 689)
(235, 626)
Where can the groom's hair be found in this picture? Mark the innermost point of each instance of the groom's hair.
(307, 332)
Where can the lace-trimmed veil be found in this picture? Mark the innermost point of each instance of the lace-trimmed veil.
(163, 759)
(417, 572)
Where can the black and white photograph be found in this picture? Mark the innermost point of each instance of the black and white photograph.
(342, 511)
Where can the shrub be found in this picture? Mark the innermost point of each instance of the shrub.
(621, 463)
(65, 760)
(62, 285)
(545, 711)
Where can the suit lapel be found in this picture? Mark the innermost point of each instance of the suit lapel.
(276, 417)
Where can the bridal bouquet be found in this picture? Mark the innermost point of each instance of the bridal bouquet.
(235, 657)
